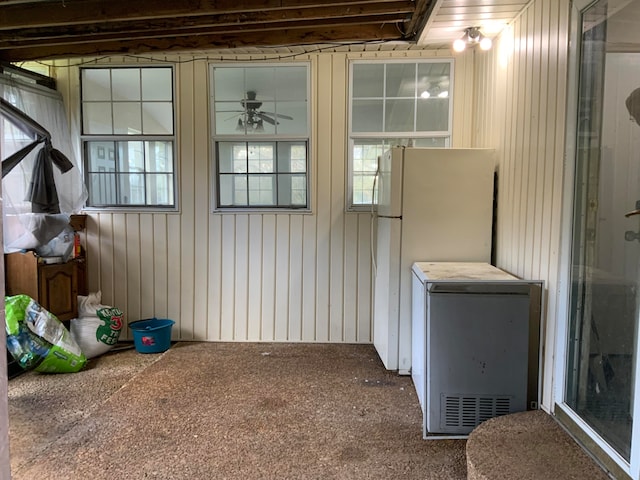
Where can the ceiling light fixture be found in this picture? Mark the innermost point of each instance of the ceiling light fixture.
(471, 37)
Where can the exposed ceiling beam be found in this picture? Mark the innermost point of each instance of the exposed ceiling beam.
(277, 37)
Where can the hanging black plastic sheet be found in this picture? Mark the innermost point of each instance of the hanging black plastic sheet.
(42, 191)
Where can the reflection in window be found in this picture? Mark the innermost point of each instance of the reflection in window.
(394, 103)
(260, 129)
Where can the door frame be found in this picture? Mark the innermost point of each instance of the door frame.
(609, 458)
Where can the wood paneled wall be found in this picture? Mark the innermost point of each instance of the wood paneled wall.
(520, 110)
(249, 276)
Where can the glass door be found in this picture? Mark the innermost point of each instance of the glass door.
(605, 267)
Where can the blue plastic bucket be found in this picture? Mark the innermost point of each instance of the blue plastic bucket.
(152, 335)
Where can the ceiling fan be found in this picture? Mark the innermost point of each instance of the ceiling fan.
(254, 117)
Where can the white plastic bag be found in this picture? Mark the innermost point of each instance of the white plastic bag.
(97, 328)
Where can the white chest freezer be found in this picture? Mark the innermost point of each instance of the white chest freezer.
(471, 342)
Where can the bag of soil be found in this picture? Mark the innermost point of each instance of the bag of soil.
(37, 340)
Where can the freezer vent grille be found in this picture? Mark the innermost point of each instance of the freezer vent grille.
(468, 411)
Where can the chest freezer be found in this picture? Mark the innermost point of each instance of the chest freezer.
(471, 344)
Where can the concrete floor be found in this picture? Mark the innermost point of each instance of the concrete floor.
(262, 411)
(232, 411)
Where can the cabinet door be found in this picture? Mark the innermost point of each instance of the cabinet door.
(59, 290)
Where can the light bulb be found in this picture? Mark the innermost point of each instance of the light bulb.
(485, 43)
(425, 94)
(443, 94)
(459, 45)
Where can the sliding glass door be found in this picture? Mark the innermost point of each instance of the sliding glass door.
(605, 262)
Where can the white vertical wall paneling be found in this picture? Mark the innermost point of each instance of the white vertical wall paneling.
(160, 267)
(309, 261)
(282, 283)
(254, 306)
(120, 293)
(201, 194)
(338, 218)
(365, 280)
(351, 287)
(106, 253)
(174, 236)
(148, 266)
(296, 277)
(214, 319)
(241, 285)
(187, 123)
(323, 204)
(228, 264)
(268, 277)
(132, 308)
(531, 121)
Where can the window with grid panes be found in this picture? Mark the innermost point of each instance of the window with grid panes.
(394, 103)
(261, 136)
(128, 136)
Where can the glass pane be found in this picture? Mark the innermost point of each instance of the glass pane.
(157, 84)
(131, 189)
(368, 80)
(261, 81)
(96, 118)
(98, 158)
(291, 83)
(367, 116)
(229, 155)
(159, 189)
(434, 78)
(157, 118)
(292, 190)
(292, 157)
(261, 157)
(229, 84)
(233, 190)
(291, 118)
(130, 156)
(432, 115)
(126, 118)
(96, 84)
(401, 80)
(103, 188)
(229, 118)
(125, 83)
(399, 116)
(159, 156)
(261, 190)
(606, 248)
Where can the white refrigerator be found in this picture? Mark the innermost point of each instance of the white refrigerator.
(436, 205)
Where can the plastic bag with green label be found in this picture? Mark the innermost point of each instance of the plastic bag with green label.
(97, 328)
(38, 340)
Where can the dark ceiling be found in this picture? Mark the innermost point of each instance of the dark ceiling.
(45, 29)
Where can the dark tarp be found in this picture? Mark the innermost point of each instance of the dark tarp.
(42, 191)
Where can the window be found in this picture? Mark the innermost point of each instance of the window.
(261, 136)
(128, 136)
(394, 103)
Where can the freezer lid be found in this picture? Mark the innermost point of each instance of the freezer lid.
(456, 271)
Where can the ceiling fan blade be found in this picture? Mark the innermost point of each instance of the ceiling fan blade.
(266, 118)
(279, 115)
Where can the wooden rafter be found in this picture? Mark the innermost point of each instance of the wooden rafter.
(40, 29)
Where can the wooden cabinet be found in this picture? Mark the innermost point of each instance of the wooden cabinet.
(54, 286)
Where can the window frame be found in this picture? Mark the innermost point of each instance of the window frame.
(172, 139)
(249, 139)
(408, 137)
